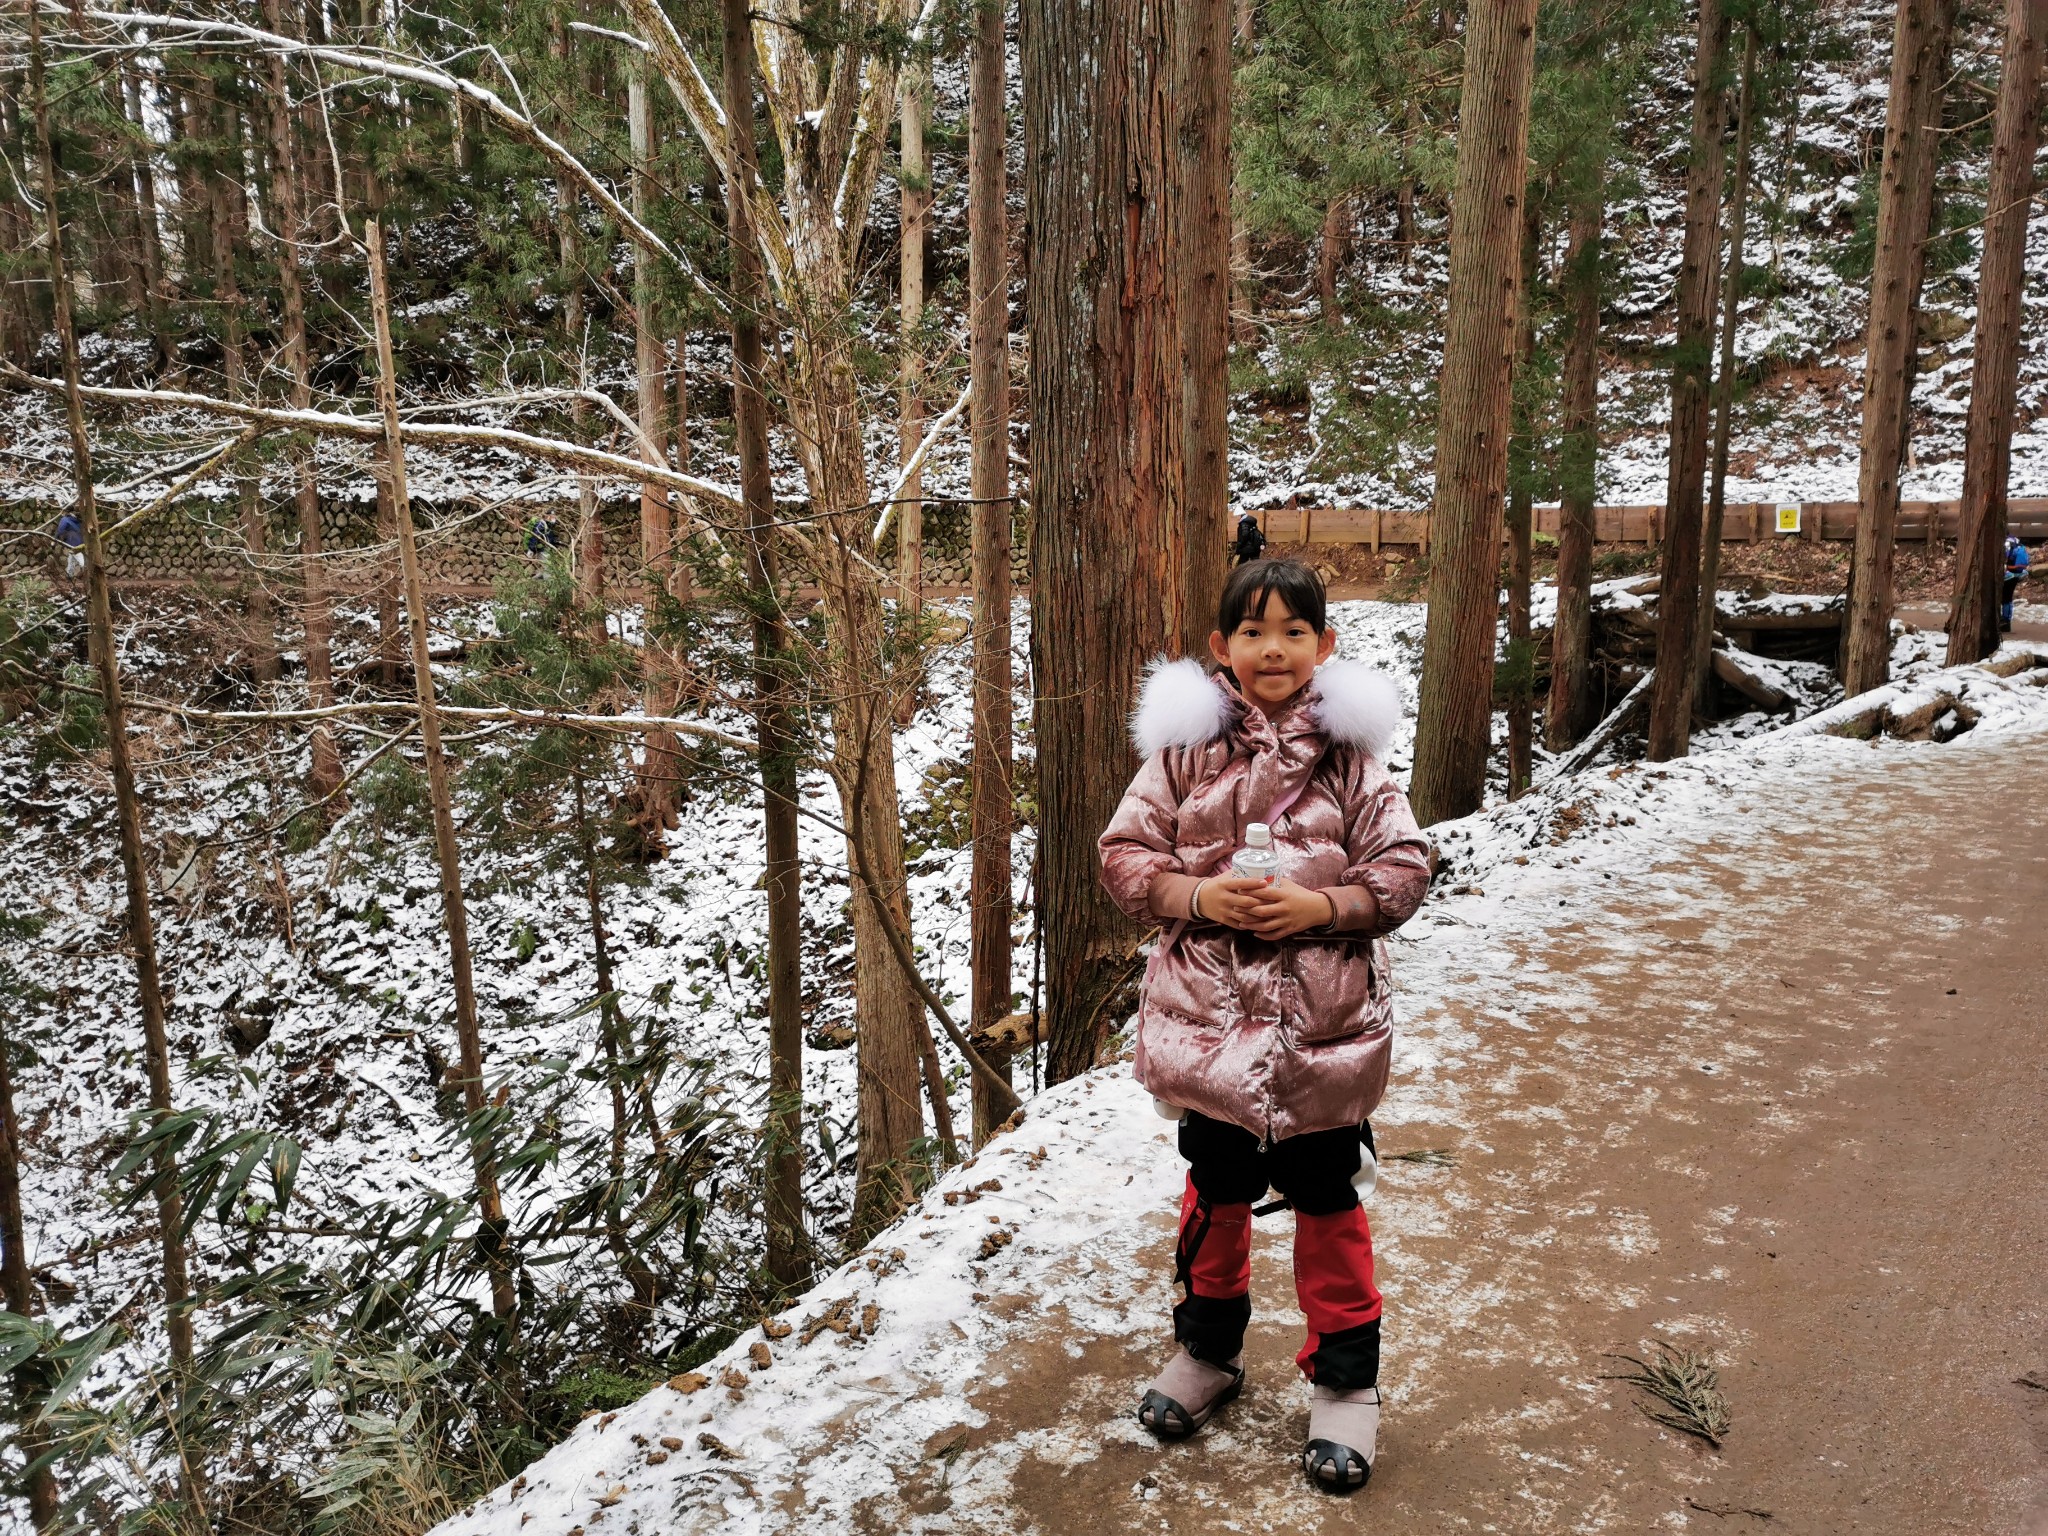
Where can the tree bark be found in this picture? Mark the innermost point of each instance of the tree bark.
(1333, 249)
(988, 329)
(389, 642)
(1244, 37)
(229, 228)
(1109, 546)
(1724, 377)
(916, 180)
(491, 1237)
(1200, 85)
(143, 173)
(660, 778)
(1453, 725)
(589, 538)
(1570, 712)
(1920, 45)
(32, 1378)
(325, 776)
(1521, 529)
(141, 928)
(788, 1256)
(1692, 367)
(616, 1042)
(1994, 370)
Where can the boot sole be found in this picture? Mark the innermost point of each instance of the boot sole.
(1161, 1405)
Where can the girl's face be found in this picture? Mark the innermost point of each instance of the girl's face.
(1272, 654)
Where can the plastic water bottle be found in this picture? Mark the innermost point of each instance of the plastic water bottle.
(1258, 859)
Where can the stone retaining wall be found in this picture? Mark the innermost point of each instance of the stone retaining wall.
(463, 546)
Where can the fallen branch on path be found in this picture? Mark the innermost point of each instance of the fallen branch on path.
(1723, 1511)
(1688, 1387)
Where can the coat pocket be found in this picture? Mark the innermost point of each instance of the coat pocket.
(1332, 993)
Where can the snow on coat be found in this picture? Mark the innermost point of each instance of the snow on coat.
(1279, 1038)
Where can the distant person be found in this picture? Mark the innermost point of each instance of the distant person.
(1251, 540)
(1266, 1021)
(71, 534)
(542, 535)
(2016, 562)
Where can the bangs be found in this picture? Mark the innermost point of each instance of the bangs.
(1245, 594)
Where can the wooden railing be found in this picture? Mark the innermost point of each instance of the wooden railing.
(1749, 522)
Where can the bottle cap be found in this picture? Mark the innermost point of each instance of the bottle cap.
(1258, 835)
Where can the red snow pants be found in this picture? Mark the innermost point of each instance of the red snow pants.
(1227, 1171)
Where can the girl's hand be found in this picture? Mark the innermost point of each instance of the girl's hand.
(1281, 909)
(1232, 900)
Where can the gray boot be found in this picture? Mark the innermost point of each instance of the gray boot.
(1343, 1433)
(1182, 1397)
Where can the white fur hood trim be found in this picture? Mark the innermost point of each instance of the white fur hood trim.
(1183, 706)
(1357, 705)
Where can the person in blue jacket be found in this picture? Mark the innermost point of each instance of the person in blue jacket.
(71, 534)
(2016, 562)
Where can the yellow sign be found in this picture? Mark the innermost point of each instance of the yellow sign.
(1788, 518)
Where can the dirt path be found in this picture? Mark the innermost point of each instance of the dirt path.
(1782, 1099)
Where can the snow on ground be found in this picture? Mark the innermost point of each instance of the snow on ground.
(851, 1407)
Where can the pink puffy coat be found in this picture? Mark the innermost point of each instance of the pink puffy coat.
(1279, 1038)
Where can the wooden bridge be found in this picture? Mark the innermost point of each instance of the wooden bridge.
(1748, 522)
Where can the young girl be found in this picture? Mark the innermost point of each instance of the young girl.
(1267, 1012)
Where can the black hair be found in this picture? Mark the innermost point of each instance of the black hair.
(1245, 594)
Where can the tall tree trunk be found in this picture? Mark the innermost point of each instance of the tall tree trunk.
(1692, 370)
(325, 777)
(916, 180)
(230, 232)
(589, 540)
(1570, 711)
(1994, 370)
(1920, 45)
(1454, 722)
(783, 1197)
(659, 787)
(616, 1043)
(191, 152)
(988, 330)
(142, 171)
(389, 641)
(32, 1378)
(1245, 39)
(1200, 86)
(890, 1013)
(17, 310)
(1332, 251)
(1109, 545)
(454, 908)
(1404, 194)
(106, 660)
(1521, 527)
(1724, 377)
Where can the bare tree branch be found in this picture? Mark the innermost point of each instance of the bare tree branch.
(413, 72)
(916, 462)
(551, 450)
